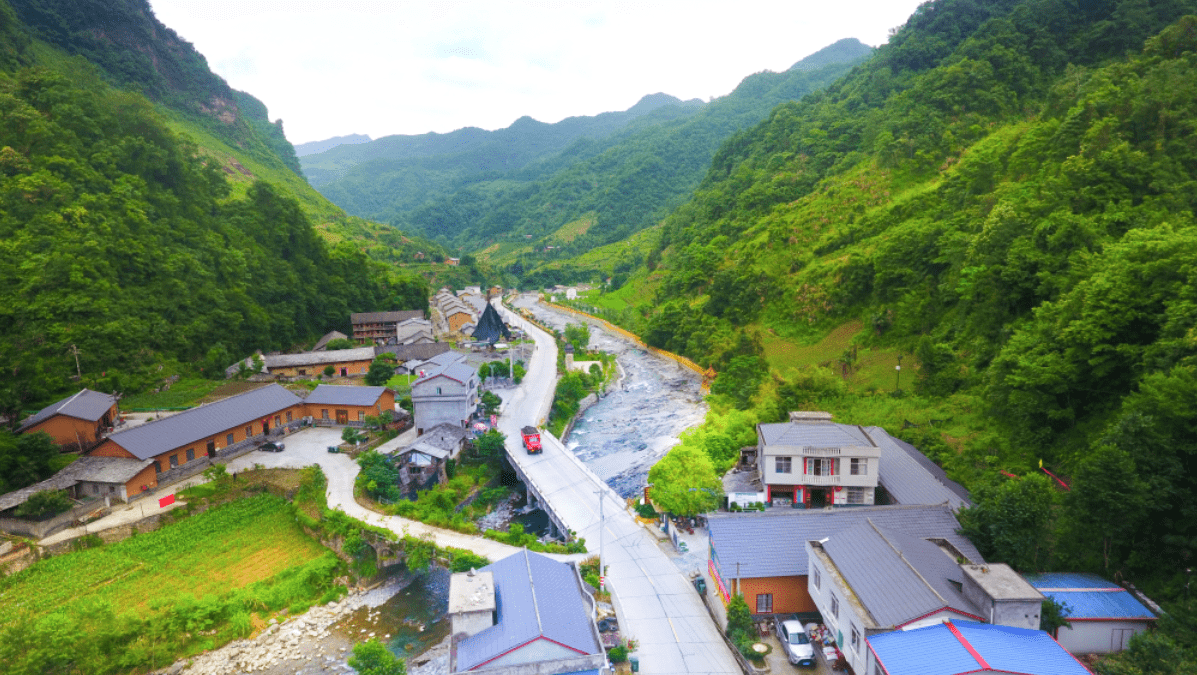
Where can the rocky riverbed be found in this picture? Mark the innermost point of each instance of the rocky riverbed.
(406, 612)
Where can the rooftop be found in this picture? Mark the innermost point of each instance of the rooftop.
(772, 543)
(1000, 582)
(967, 647)
(150, 440)
(535, 597)
(330, 394)
(910, 477)
(85, 405)
(896, 577)
(319, 358)
(385, 317)
(471, 591)
(1088, 596)
(84, 469)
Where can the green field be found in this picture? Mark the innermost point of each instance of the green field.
(150, 599)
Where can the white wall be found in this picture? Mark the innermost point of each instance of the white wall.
(1098, 637)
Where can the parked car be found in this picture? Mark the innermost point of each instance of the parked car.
(798, 647)
(271, 446)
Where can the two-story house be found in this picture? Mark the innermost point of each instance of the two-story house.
(813, 462)
(870, 579)
(447, 392)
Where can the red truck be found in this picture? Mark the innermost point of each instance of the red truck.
(532, 440)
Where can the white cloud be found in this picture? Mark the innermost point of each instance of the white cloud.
(381, 68)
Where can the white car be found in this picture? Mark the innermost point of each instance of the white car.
(797, 645)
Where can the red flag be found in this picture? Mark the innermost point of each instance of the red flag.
(166, 501)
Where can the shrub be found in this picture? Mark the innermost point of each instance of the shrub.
(329, 371)
(44, 504)
(618, 654)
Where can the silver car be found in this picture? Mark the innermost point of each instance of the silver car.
(797, 645)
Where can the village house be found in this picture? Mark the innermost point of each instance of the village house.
(869, 579)
(344, 362)
(1104, 615)
(80, 420)
(811, 462)
(447, 392)
(421, 467)
(347, 405)
(378, 327)
(197, 435)
(965, 647)
(328, 337)
(412, 331)
(763, 556)
(526, 614)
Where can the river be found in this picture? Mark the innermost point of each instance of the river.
(622, 435)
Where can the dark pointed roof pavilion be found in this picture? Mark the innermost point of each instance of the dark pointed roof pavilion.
(490, 327)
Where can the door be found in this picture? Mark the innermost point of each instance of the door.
(211, 449)
(1120, 638)
(342, 417)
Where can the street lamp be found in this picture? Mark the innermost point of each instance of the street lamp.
(898, 374)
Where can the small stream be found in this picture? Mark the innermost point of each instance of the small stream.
(630, 428)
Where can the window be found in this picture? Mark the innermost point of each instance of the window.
(764, 603)
(278, 422)
(190, 454)
(112, 489)
(783, 464)
(95, 489)
(816, 577)
(288, 415)
(855, 639)
(820, 467)
(228, 440)
(860, 466)
(835, 606)
(856, 495)
(174, 460)
(303, 371)
(438, 390)
(157, 468)
(361, 415)
(413, 470)
(249, 431)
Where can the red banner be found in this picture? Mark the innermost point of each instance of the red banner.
(166, 501)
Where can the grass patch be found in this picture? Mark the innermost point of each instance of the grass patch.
(150, 599)
(185, 393)
(402, 382)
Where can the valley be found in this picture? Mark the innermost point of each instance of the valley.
(935, 298)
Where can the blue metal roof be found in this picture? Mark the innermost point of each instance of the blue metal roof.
(1088, 596)
(535, 597)
(1018, 651)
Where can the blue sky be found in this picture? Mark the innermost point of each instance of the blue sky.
(380, 68)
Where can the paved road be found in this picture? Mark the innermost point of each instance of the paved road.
(657, 605)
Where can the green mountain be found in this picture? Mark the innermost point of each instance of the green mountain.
(1006, 193)
(317, 147)
(152, 218)
(473, 189)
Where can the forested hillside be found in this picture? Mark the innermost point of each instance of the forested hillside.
(460, 189)
(1006, 192)
(125, 239)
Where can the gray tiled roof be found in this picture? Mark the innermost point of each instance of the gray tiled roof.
(319, 358)
(385, 317)
(424, 448)
(89, 469)
(773, 543)
(330, 394)
(536, 597)
(911, 478)
(820, 435)
(405, 353)
(897, 577)
(85, 405)
(328, 337)
(150, 440)
(445, 435)
(456, 370)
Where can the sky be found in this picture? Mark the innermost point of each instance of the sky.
(335, 67)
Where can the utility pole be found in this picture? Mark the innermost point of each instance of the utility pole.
(75, 350)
